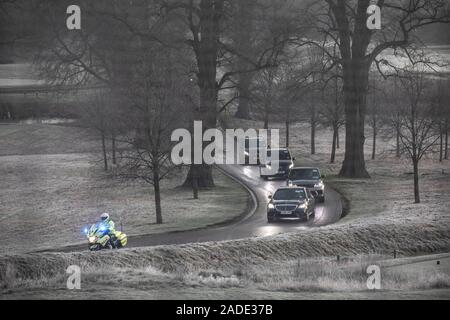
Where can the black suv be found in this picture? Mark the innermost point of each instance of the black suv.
(291, 202)
(277, 168)
(309, 178)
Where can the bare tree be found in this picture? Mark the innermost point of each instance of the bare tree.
(157, 96)
(343, 23)
(265, 93)
(95, 115)
(332, 112)
(207, 22)
(293, 89)
(261, 29)
(306, 85)
(244, 43)
(377, 105)
(442, 114)
(415, 121)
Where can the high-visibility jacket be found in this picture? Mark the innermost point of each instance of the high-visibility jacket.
(110, 225)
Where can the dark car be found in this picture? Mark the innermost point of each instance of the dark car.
(277, 168)
(309, 178)
(291, 202)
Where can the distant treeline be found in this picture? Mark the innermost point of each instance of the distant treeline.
(15, 109)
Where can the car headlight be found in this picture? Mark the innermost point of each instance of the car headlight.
(270, 206)
(92, 239)
(291, 166)
(302, 206)
(319, 185)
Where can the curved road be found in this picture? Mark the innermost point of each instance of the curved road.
(251, 225)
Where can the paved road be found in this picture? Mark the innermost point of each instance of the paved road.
(252, 224)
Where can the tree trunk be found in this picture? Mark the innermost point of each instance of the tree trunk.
(397, 132)
(446, 140)
(243, 111)
(355, 92)
(205, 47)
(353, 45)
(244, 46)
(105, 155)
(441, 142)
(157, 189)
(416, 181)
(287, 133)
(313, 131)
(374, 141)
(194, 182)
(113, 148)
(266, 119)
(338, 144)
(334, 143)
(201, 175)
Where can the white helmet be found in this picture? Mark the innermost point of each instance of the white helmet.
(104, 216)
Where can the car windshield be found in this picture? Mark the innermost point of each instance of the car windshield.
(282, 154)
(289, 194)
(304, 174)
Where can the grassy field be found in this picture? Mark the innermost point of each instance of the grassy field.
(382, 219)
(304, 278)
(53, 185)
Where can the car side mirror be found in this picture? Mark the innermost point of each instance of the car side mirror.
(269, 196)
(293, 158)
(322, 176)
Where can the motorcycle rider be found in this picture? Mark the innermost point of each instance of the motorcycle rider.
(108, 223)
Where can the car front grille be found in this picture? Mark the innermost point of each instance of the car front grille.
(306, 185)
(286, 207)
